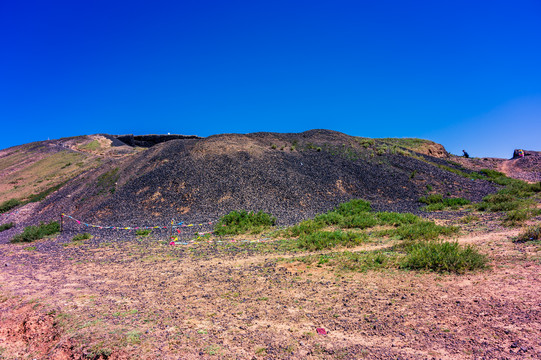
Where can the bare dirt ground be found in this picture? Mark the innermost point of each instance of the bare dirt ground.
(146, 299)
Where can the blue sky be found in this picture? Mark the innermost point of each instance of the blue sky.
(466, 74)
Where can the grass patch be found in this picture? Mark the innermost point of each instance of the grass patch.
(514, 191)
(12, 203)
(6, 226)
(469, 218)
(242, 222)
(43, 194)
(358, 261)
(516, 198)
(32, 233)
(326, 239)
(438, 202)
(357, 214)
(516, 217)
(9, 204)
(107, 181)
(443, 257)
(91, 146)
(143, 232)
(532, 233)
(81, 237)
(420, 230)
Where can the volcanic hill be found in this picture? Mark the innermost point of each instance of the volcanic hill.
(150, 180)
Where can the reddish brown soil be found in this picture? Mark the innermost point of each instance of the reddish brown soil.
(146, 300)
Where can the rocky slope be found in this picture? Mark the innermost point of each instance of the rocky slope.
(292, 176)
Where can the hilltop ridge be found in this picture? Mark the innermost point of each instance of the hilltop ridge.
(293, 176)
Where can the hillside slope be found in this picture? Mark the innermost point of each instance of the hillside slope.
(292, 176)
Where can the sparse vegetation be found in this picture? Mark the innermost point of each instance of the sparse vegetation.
(242, 222)
(532, 233)
(443, 257)
(516, 198)
(326, 239)
(6, 226)
(357, 214)
(91, 146)
(12, 203)
(438, 202)
(9, 204)
(366, 143)
(32, 233)
(143, 232)
(469, 218)
(107, 181)
(81, 237)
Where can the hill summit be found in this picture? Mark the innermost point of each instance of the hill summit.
(114, 179)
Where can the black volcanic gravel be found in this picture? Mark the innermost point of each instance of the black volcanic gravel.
(199, 180)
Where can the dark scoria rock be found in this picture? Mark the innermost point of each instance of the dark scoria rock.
(292, 176)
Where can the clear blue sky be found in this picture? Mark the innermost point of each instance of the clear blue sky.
(466, 74)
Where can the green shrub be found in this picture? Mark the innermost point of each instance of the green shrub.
(364, 261)
(143, 232)
(6, 226)
(396, 219)
(325, 239)
(80, 237)
(241, 222)
(422, 230)
(431, 199)
(360, 221)
(366, 143)
(32, 233)
(438, 202)
(354, 261)
(515, 217)
(469, 218)
(532, 233)
(8, 205)
(443, 257)
(434, 207)
(304, 228)
(353, 207)
(499, 202)
(42, 195)
(381, 149)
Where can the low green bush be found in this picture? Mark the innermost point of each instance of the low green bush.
(438, 202)
(532, 233)
(6, 226)
(353, 207)
(143, 232)
(326, 239)
(516, 217)
(8, 205)
(469, 218)
(242, 222)
(431, 199)
(396, 219)
(354, 261)
(500, 202)
(443, 257)
(421, 230)
(356, 214)
(32, 233)
(81, 237)
(434, 207)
